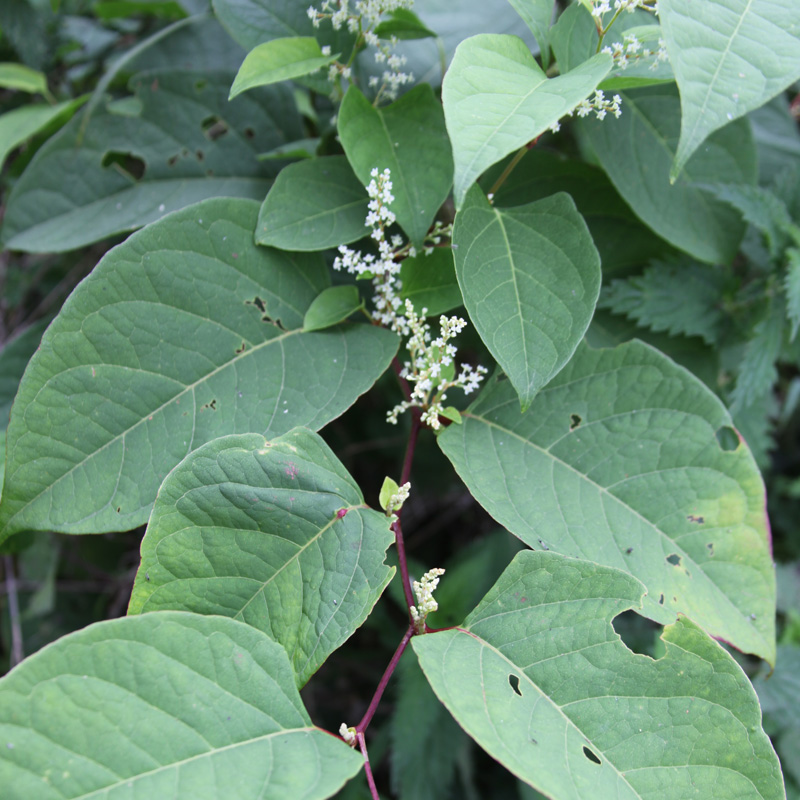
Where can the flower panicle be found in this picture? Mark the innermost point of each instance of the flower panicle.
(426, 604)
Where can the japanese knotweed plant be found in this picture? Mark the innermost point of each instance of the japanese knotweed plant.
(299, 240)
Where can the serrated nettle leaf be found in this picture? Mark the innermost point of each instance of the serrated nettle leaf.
(530, 277)
(188, 144)
(274, 533)
(539, 678)
(758, 369)
(620, 238)
(185, 332)
(636, 151)
(497, 99)
(538, 15)
(681, 297)
(332, 306)
(729, 58)
(617, 461)
(410, 139)
(280, 60)
(313, 205)
(429, 281)
(170, 705)
(792, 288)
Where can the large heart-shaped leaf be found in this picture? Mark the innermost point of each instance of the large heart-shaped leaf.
(271, 532)
(189, 141)
(540, 679)
(167, 706)
(637, 150)
(185, 332)
(617, 461)
(313, 205)
(408, 137)
(496, 99)
(729, 58)
(530, 277)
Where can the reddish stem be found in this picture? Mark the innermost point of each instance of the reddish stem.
(376, 698)
(373, 789)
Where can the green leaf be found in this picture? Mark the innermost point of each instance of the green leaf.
(537, 15)
(636, 151)
(188, 144)
(620, 238)
(274, 533)
(758, 368)
(540, 679)
(332, 306)
(574, 39)
(792, 288)
(280, 60)
(530, 277)
(185, 332)
(313, 205)
(389, 489)
(14, 357)
(680, 297)
(114, 9)
(777, 139)
(761, 208)
(403, 24)
(22, 78)
(729, 58)
(169, 705)
(17, 126)
(430, 282)
(497, 99)
(409, 138)
(617, 461)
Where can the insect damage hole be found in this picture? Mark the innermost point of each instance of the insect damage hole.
(128, 165)
(513, 682)
(214, 127)
(638, 633)
(574, 421)
(591, 755)
(674, 559)
(727, 438)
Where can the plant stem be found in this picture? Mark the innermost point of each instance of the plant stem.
(509, 169)
(373, 789)
(376, 698)
(17, 653)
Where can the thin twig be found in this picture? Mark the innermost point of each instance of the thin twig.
(17, 653)
(376, 698)
(373, 789)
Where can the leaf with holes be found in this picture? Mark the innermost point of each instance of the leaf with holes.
(409, 138)
(186, 332)
(497, 99)
(274, 533)
(170, 705)
(186, 144)
(313, 205)
(636, 151)
(530, 277)
(729, 58)
(617, 461)
(540, 679)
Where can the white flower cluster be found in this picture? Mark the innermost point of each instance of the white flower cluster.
(396, 501)
(361, 19)
(384, 268)
(424, 590)
(431, 369)
(600, 7)
(630, 50)
(600, 105)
